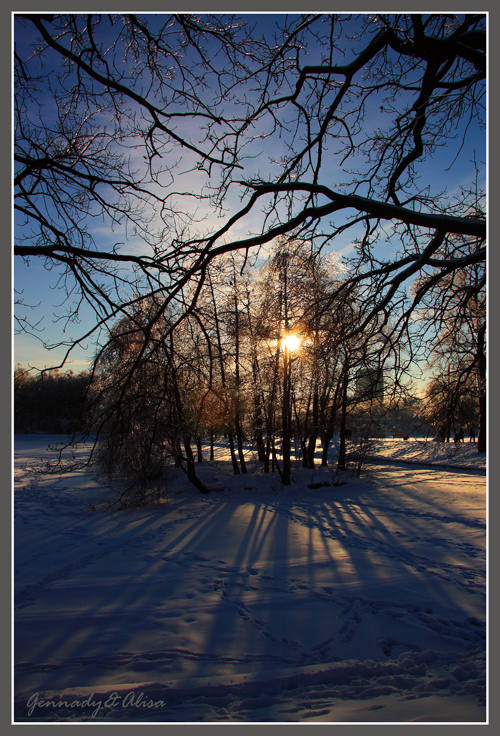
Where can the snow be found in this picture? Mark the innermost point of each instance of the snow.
(421, 451)
(357, 602)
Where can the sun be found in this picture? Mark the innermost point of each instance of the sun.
(291, 342)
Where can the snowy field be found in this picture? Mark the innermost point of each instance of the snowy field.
(357, 602)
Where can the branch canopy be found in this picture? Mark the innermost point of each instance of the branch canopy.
(147, 147)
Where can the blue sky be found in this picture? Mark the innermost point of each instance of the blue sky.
(38, 287)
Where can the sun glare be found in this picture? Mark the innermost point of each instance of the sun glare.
(291, 341)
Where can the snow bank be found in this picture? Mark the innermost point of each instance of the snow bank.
(425, 452)
(362, 601)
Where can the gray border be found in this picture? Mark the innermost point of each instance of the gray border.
(6, 292)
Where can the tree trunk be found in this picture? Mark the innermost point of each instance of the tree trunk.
(341, 464)
(239, 442)
(191, 467)
(328, 436)
(286, 442)
(239, 431)
(303, 450)
(325, 440)
(275, 462)
(261, 448)
(267, 456)
(258, 420)
(313, 436)
(236, 467)
(177, 454)
(303, 435)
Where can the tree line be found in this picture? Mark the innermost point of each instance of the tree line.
(150, 151)
(258, 361)
(50, 402)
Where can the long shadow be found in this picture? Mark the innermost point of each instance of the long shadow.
(263, 588)
(408, 489)
(436, 531)
(81, 642)
(238, 579)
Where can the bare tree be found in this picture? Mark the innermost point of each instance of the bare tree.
(141, 405)
(456, 341)
(154, 128)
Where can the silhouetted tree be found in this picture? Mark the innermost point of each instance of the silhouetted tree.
(323, 125)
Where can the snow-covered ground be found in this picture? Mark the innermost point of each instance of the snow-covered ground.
(362, 601)
(419, 450)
